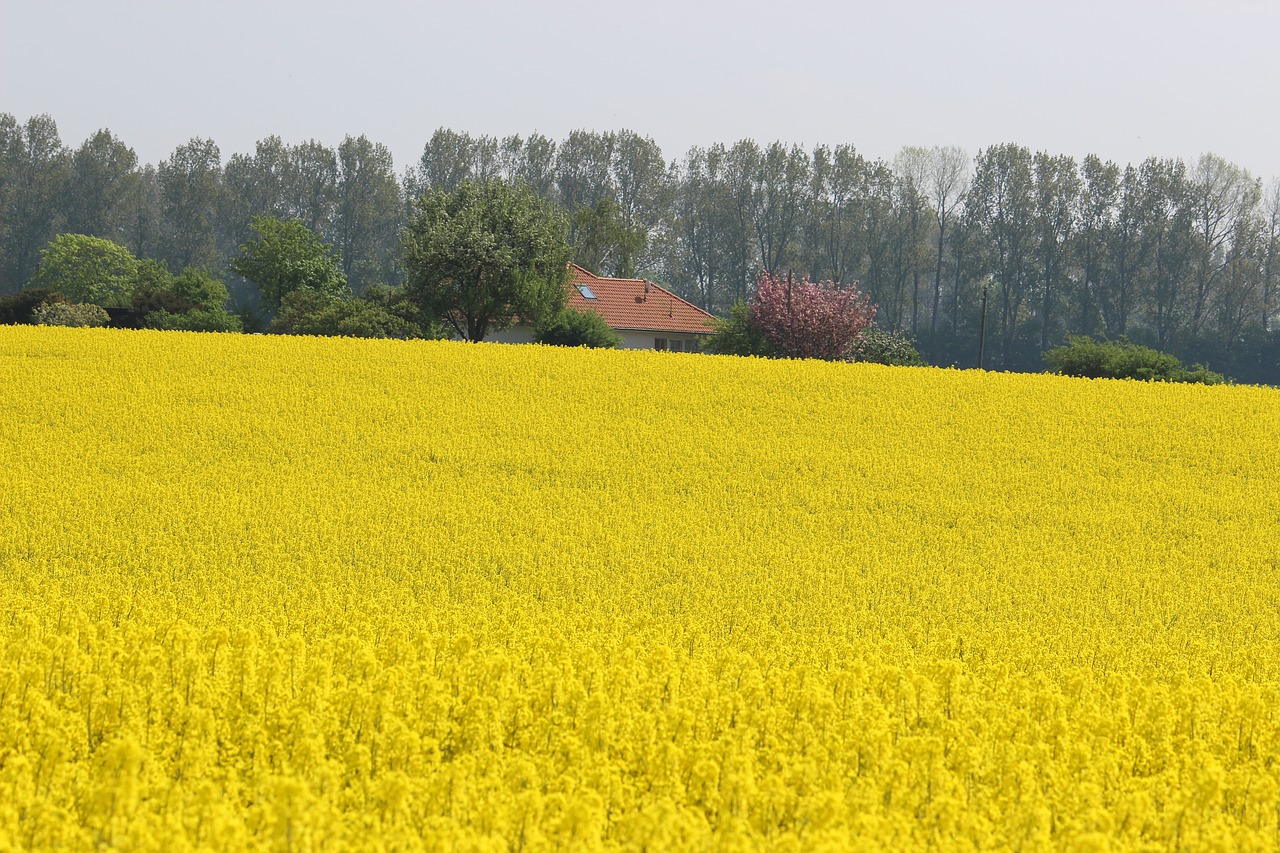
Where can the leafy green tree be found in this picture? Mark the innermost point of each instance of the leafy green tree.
(605, 243)
(33, 173)
(1003, 196)
(947, 183)
(154, 291)
(190, 184)
(311, 186)
(103, 171)
(449, 158)
(1222, 196)
(485, 255)
(288, 256)
(369, 212)
(1095, 217)
(643, 184)
(570, 327)
(834, 226)
(152, 275)
(201, 287)
(253, 185)
(397, 301)
(165, 301)
(531, 161)
(1055, 199)
(88, 269)
(142, 216)
(911, 166)
(583, 162)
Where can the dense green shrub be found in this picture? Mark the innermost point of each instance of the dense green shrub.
(201, 287)
(194, 288)
(1201, 375)
(570, 327)
(66, 314)
(880, 346)
(194, 320)
(396, 301)
(152, 298)
(1122, 359)
(311, 312)
(1083, 357)
(737, 335)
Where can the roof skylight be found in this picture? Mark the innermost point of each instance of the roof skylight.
(585, 291)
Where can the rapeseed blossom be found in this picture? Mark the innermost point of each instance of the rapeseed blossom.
(301, 594)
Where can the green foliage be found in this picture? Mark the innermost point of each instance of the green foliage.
(737, 335)
(1199, 374)
(604, 242)
(201, 287)
(253, 320)
(159, 298)
(88, 269)
(66, 314)
(1121, 359)
(152, 275)
(484, 255)
(194, 320)
(879, 346)
(397, 301)
(288, 256)
(306, 312)
(1082, 356)
(570, 327)
(17, 309)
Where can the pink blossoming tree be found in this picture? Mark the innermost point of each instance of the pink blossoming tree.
(804, 319)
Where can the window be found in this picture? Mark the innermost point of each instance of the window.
(659, 343)
(675, 346)
(585, 291)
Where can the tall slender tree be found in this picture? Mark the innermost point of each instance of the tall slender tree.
(1003, 196)
(948, 180)
(367, 215)
(34, 170)
(102, 171)
(1057, 192)
(190, 197)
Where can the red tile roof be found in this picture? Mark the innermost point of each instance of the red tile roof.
(636, 304)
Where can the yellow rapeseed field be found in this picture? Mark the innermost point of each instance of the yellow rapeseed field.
(271, 593)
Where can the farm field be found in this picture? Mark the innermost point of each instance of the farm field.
(274, 593)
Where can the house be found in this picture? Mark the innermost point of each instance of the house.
(643, 314)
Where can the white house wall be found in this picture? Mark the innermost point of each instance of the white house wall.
(630, 339)
(636, 340)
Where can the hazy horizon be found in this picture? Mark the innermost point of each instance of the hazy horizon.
(1124, 81)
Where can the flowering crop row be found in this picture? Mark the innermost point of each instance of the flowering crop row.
(320, 594)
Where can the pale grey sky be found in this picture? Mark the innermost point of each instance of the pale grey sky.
(1121, 79)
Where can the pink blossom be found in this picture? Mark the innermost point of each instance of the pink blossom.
(804, 319)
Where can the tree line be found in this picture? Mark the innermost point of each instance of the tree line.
(1175, 255)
